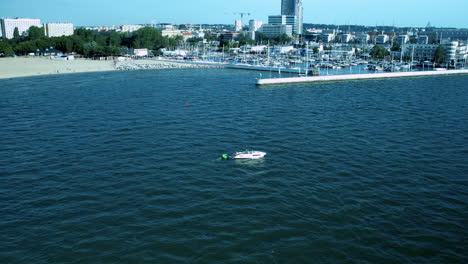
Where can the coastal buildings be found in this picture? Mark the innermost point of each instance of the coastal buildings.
(238, 25)
(402, 39)
(449, 33)
(276, 30)
(130, 28)
(345, 38)
(381, 39)
(290, 21)
(171, 33)
(255, 25)
(8, 25)
(423, 39)
(362, 38)
(58, 29)
(294, 8)
(455, 51)
(284, 20)
(328, 35)
(420, 52)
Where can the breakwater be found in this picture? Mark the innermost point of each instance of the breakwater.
(152, 65)
(292, 80)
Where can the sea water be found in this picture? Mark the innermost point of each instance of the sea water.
(124, 167)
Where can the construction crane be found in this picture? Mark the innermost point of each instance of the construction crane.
(242, 14)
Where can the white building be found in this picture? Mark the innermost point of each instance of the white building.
(381, 39)
(255, 25)
(187, 35)
(58, 29)
(283, 20)
(363, 38)
(423, 40)
(327, 37)
(171, 33)
(238, 25)
(276, 30)
(8, 25)
(345, 38)
(402, 39)
(130, 28)
(420, 52)
(455, 51)
(140, 52)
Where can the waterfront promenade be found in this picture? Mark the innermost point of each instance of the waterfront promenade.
(293, 80)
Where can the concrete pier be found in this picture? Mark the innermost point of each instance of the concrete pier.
(357, 77)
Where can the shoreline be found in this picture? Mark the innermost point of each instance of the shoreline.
(17, 67)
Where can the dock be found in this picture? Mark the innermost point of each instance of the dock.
(293, 80)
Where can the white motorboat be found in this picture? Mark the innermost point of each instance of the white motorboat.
(248, 154)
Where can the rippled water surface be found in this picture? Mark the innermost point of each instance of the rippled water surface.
(124, 167)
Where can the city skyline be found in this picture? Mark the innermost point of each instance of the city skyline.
(416, 13)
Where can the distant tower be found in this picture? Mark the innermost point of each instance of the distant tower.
(293, 8)
(238, 25)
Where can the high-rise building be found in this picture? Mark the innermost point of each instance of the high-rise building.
(283, 20)
(288, 7)
(238, 25)
(293, 8)
(8, 25)
(255, 25)
(58, 29)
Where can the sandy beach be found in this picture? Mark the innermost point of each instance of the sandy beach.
(33, 66)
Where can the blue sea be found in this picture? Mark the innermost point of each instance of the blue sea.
(124, 167)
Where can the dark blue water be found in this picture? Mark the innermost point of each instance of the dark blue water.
(124, 167)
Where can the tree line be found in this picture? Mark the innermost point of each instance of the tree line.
(90, 43)
(86, 42)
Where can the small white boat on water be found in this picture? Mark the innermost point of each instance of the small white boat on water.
(248, 154)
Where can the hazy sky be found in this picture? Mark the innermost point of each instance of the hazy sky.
(417, 13)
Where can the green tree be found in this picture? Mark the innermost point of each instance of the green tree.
(16, 35)
(100, 39)
(6, 49)
(35, 33)
(284, 38)
(194, 40)
(379, 52)
(111, 51)
(115, 39)
(245, 40)
(78, 44)
(43, 43)
(169, 43)
(224, 43)
(64, 44)
(395, 47)
(439, 54)
(26, 47)
(90, 49)
(315, 50)
(149, 38)
(86, 34)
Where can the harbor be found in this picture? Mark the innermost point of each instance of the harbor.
(294, 80)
